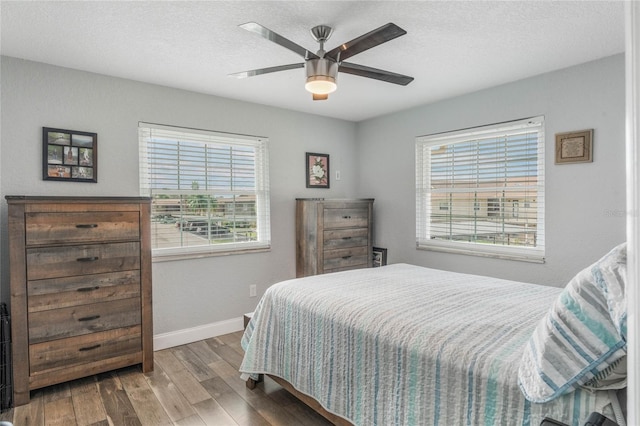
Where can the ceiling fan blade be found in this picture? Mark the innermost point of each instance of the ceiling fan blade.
(366, 41)
(362, 71)
(265, 32)
(245, 74)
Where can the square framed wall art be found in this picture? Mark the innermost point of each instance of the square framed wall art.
(317, 170)
(574, 147)
(69, 155)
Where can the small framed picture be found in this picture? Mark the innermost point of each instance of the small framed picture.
(317, 170)
(574, 147)
(69, 155)
(379, 257)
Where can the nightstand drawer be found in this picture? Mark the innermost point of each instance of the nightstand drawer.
(64, 353)
(346, 217)
(53, 262)
(346, 258)
(83, 319)
(59, 228)
(343, 238)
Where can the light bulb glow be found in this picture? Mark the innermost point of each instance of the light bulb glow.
(321, 85)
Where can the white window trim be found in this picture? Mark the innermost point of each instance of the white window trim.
(423, 239)
(262, 196)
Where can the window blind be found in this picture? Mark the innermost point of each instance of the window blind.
(209, 190)
(481, 190)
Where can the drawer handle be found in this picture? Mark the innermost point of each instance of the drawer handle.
(346, 238)
(346, 217)
(87, 225)
(84, 289)
(91, 318)
(87, 259)
(346, 257)
(89, 348)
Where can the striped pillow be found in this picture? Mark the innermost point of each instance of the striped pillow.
(582, 334)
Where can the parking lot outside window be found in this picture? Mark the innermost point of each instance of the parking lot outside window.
(209, 190)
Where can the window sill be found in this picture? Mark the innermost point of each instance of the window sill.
(170, 257)
(522, 257)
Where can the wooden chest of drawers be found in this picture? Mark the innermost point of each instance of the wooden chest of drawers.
(333, 235)
(80, 288)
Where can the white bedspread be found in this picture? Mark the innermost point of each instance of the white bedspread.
(406, 345)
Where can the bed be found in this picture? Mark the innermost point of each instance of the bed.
(407, 345)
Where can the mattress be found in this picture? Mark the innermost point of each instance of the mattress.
(407, 345)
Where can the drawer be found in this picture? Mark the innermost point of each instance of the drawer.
(58, 228)
(63, 292)
(83, 319)
(343, 238)
(344, 268)
(64, 353)
(346, 217)
(346, 258)
(55, 262)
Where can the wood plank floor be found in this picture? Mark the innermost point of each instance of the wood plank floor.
(194, 384)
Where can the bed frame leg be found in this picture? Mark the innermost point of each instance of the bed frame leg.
(251, 384)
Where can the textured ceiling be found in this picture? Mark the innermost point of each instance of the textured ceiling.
(451, 47)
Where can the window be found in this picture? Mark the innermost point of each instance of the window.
(209, 191)
(492, 180)
(493, 207)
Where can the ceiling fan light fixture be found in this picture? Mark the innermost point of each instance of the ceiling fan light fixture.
(321, 76)
(321, 85)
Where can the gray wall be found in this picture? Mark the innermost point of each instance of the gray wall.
(186, 293)
(585, 203)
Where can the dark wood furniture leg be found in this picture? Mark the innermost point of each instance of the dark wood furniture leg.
(251, 384)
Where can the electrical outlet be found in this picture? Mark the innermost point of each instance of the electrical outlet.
(337, 174)
(252, 290)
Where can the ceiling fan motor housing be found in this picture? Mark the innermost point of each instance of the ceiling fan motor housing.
(321, 75)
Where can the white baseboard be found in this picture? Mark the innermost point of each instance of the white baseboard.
(201, 332)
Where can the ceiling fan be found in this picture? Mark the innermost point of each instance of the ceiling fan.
(322, 67)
